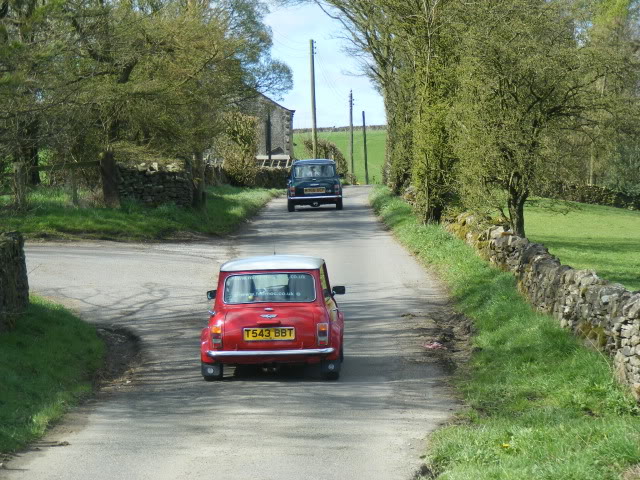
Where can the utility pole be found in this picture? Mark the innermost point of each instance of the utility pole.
(353, 172)
(364, 136)
(268, 136)
(314, 132)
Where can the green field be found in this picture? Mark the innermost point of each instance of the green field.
(376, 140)
(604, 239)
(51, 214)
(538, 404)
(47, 365)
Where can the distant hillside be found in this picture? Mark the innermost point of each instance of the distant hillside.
(376, 141)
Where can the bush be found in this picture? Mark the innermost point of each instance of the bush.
(238, 147)
(329, 150)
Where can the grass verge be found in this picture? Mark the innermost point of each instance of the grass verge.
(604, 239)
(46, 366)
(539, 404)
(51, 214)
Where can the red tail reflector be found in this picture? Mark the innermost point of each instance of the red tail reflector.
(323, 334)
(216, 335)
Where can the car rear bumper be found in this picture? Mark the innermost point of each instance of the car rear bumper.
(269, 353)
(315, 198)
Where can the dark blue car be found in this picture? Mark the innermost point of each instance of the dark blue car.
(314, 182)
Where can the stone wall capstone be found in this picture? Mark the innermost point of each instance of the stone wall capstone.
(153, 184)
(605, 314)
(14, 285)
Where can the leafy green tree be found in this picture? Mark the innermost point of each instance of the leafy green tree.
(30, 49)
(491, 101)
(406, 47)
(527, 76)
(81, 76)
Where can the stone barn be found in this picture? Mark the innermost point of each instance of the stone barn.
(275, 126)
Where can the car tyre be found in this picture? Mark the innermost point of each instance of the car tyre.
(212, 376)
(333, 376)
(339, 205)
(291, 206)
(328, 373)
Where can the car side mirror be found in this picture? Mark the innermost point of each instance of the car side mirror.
(211, 294)
(339, 290)
(341, 175)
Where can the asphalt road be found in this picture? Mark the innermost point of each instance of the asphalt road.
(170, 424)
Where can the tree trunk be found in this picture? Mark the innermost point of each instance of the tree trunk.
(516, 213)
(109, 174)
(20, 185)
(198, 180)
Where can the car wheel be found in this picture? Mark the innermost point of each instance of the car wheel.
(330, 369)
(291, 206)
(212, 371)
(339, 205)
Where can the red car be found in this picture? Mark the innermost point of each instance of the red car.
(273, 310)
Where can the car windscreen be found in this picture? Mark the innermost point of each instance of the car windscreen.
(269, 287)
(314, 171)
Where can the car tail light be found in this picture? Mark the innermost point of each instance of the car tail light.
(292, 190)
(337, 188)
(216, 335)
(323, 334)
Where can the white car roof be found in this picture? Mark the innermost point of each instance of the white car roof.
(273, 262)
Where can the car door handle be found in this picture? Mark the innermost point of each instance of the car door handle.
(335, 310)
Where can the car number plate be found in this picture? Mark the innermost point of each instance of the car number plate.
(314, 190)
(275, 333)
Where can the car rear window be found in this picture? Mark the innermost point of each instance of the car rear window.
(269, 287)
(314, 171)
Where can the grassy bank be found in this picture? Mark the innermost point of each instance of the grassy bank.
(540, 405)
(46, 365)
(604, 239)
(51, 214)
(376, 141)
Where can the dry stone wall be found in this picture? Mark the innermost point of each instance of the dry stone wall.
(605, 314)
(14, 286)
(265, 177)
(153, 184)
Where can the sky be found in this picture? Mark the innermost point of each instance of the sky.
(336, 71)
